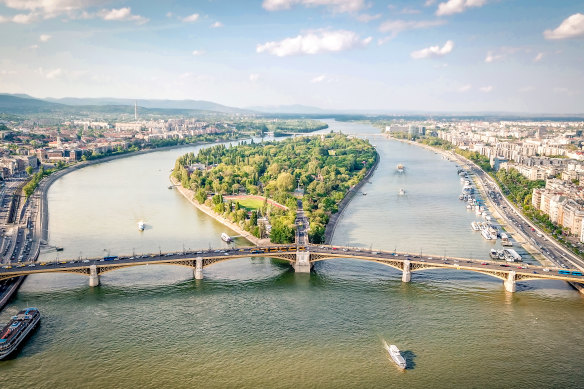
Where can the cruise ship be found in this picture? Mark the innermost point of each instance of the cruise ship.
(19, 327)
(226, 237)
(396, 356)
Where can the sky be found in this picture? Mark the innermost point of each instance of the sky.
(396, 56)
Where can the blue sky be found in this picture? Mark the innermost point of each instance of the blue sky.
(422, 55)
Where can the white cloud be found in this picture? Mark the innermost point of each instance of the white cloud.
(198, 52)
(50, 74)
(571, 27)
(20, 18)
(366, 18)
(216, 25)
(334, 5)
(457, 6)
(465, 88)
(254, 77)
(45, 9)
(34, 47)
(191, 18)
(433, 51)
(486, 89)
(538, 57)
(121, 15)
(429, 3)
(44, 37)
(314, 42)
(318, 79)
(409, 11)
(396, 26)
(492, 57)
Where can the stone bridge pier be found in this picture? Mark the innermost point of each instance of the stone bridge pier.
(407, 272)
(198, 272)
(302, 264)
(510, 282)
(93, 276)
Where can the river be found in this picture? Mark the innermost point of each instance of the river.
(255, 323)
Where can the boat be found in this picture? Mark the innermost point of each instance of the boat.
(512, 255)
(486, 234)
(474, 226)
(396, 356)
(402, 192)
(505, 240)
(494, 254)
(400, 168)
(226, 237)
(141, 225)
(364, 194)
(16, 331)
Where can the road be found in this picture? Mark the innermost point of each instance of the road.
(540, 241)
(288, 252)
(302, 225)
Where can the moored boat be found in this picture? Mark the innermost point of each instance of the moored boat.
(17, 330)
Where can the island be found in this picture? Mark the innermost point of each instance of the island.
(256, 186)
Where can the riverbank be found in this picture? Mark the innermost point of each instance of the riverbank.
(190, 196)
(46, 183)
(334, 219)
(524, 242)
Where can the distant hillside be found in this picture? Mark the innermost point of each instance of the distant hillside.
(13, 104)
(199, 105)
(291, 109)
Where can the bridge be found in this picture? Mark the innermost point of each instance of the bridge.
(302, 257)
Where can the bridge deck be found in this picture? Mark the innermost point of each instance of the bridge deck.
(497, 269)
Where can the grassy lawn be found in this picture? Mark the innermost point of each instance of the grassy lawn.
(250, 204)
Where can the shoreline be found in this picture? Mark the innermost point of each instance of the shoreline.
(46, 183)
(334, 219)
(189, 195)
(525, 244)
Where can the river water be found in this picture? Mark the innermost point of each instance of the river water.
(255, 323)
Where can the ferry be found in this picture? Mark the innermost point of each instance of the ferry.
(226, 237)
(141, 225)
(16, 331)
(400, 168)
(396, 356)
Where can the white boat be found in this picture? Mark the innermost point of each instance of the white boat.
(226, 237)
(402, 192)
(512, 255)
(505, 240)
(494, 254)
(400, 168)
(474, 226)
(486, 234)
(141, 225)
(396, 356)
